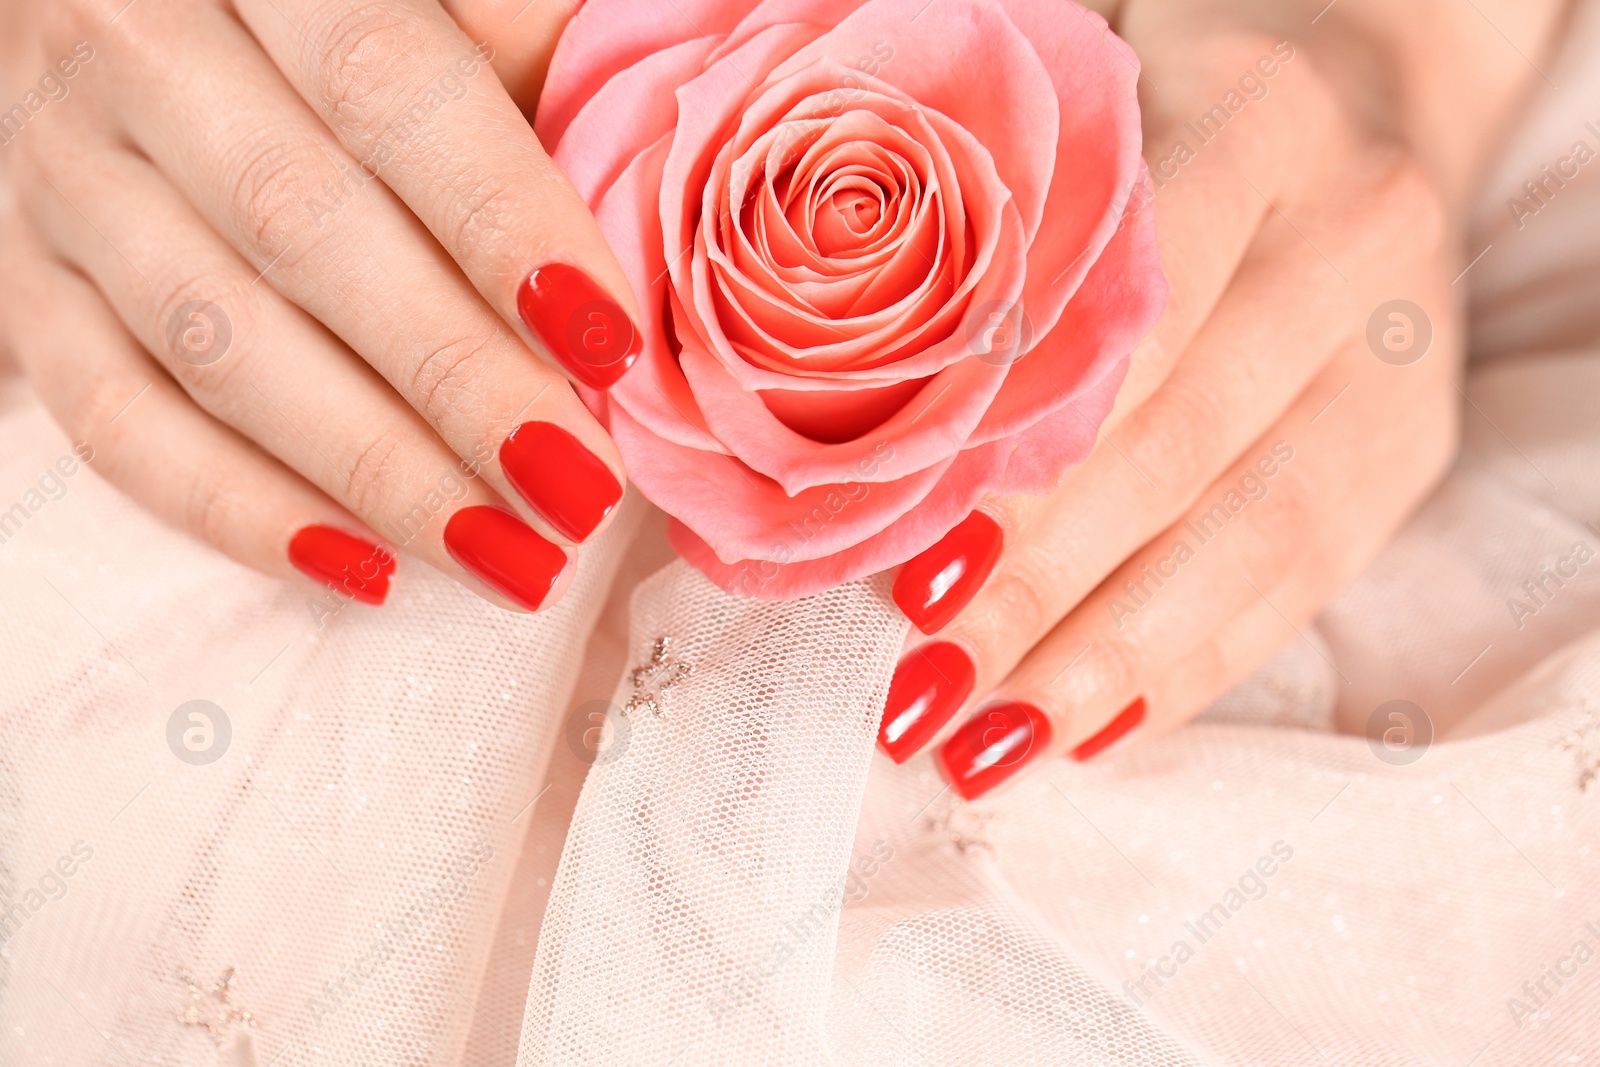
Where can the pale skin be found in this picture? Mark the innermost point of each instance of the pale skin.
(1338, 190)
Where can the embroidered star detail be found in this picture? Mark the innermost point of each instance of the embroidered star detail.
(1585, 742)
(652, 680)
(966, 827)
(213, 1009)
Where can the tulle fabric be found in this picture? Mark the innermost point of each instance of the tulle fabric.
(413, 852)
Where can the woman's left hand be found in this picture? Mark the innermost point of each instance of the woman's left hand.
(1295, 403)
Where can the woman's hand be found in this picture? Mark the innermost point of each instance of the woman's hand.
(1292, 407)
(279, 264)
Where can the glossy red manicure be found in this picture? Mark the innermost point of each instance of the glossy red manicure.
(505, 554)
(936, 585)
(991, 745)
(563, 481)
(346, 564)
(930, 683)
(583, 328)
(1111, 732)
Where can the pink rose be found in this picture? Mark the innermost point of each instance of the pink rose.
(890, 257)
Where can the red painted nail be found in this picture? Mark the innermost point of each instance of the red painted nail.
(505, 554)
(991, 745)
(936, 585)
(563, 481)
(1111, 732)
(930, 683)
(346, 564)
(583, 328)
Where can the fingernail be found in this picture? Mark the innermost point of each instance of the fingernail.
(346, 564)
(505, 554)
(934, 586)
(930, 683)
(991, 745)
(560, 479)
(1111, 732)
(583, 328)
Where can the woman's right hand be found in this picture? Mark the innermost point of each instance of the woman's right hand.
(282, 267)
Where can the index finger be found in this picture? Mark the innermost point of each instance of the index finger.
(376, 73)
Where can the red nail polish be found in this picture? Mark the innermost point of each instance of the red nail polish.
(583, 328)
(563, 481)
(934, 586)
(991, 745)
(505, 554)
(346, 564)
(1111, 732)
(930, 683)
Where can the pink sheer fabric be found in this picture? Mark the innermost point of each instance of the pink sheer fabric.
(409, 848)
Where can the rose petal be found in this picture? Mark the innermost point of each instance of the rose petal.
(1033, 463)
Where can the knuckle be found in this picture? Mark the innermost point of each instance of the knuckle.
(375, 470)
(198, 333)
(278, 179)
(88, 413)
(1409, 202)
(1279, 530)
(367, 61)
(1010, 613)
(214, 507)
(477, 219)
(64, 23)
(1166, 442)
(447, 377)
(1116, 667)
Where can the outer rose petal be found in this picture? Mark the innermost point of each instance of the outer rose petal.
(1116, 306)
(1032, 463)
(746, 515)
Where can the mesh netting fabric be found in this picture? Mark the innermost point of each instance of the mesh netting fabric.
(399, 792)
(699, 892)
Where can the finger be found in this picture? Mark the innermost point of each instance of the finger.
(246, 355)
(145, 436)
(1085, 686)
(337, 243)
(480, 181)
